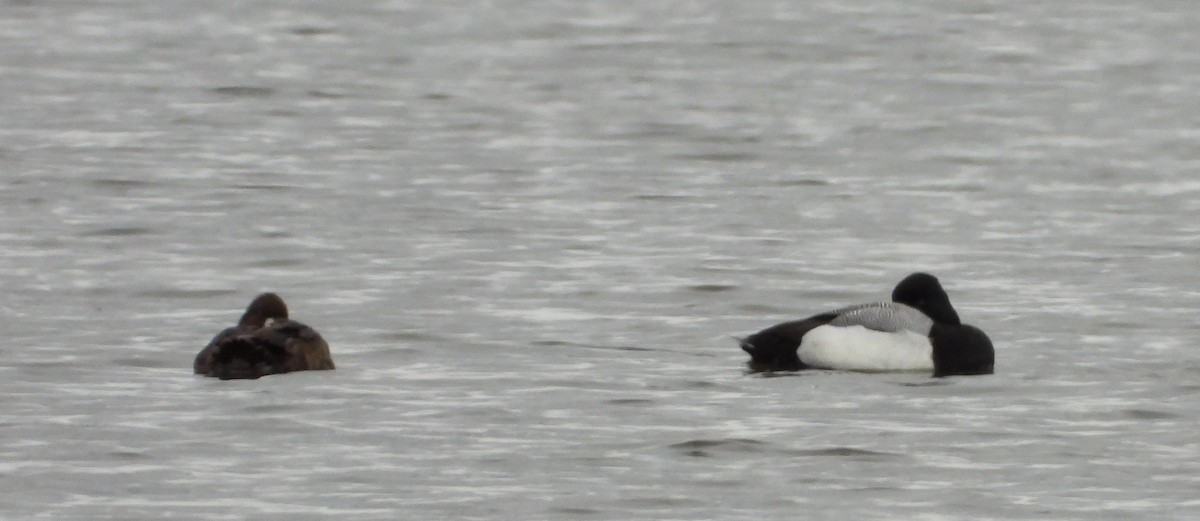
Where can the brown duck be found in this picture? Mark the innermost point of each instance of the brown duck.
(264, 342)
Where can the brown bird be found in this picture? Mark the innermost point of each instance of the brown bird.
(263, 342)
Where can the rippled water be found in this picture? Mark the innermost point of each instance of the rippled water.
(528, 231)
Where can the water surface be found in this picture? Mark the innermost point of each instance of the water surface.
(528, 231)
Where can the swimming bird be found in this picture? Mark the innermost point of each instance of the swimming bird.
(917, 331)
(263, 342)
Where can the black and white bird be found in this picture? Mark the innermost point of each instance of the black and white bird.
(917, 331)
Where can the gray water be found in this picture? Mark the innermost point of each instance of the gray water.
(529, 229)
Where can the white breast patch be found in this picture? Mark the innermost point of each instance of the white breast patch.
(856, 348)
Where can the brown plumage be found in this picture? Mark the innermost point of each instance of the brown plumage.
(263, 342)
